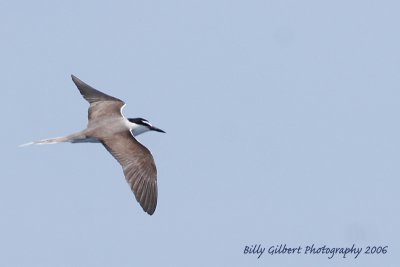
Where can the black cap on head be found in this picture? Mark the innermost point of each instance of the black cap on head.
(146, 123)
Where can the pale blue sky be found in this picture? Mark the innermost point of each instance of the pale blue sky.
(282, 121)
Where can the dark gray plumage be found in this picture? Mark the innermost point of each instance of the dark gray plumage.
(108, 126)
(136, 160)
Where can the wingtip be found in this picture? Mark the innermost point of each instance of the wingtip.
(77, 81)
(149, 209)
(74, 78)
(150, 212)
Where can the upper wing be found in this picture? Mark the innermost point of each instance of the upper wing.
(101, 104)
(90, 94)
(138, 166)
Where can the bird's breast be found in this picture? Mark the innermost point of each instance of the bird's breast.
(106, 127)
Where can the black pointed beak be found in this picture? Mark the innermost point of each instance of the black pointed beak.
(156, 129)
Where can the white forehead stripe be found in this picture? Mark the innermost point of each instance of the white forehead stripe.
(147, 122)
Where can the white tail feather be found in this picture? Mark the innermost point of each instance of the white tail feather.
(26, 144)
(48, 141)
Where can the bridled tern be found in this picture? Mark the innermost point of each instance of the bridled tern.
(108, 126)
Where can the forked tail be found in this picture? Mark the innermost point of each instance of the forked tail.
(69, 138)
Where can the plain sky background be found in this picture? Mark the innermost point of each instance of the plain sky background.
(282, 121)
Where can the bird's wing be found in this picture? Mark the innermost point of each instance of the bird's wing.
(90, 94)
(101, 104)
(138, 166)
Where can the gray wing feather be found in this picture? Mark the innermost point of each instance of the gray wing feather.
(90, 94)
(138, 166)
(101, 104)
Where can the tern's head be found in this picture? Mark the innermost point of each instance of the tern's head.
(140, 125)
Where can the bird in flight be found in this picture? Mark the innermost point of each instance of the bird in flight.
(108, 126)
